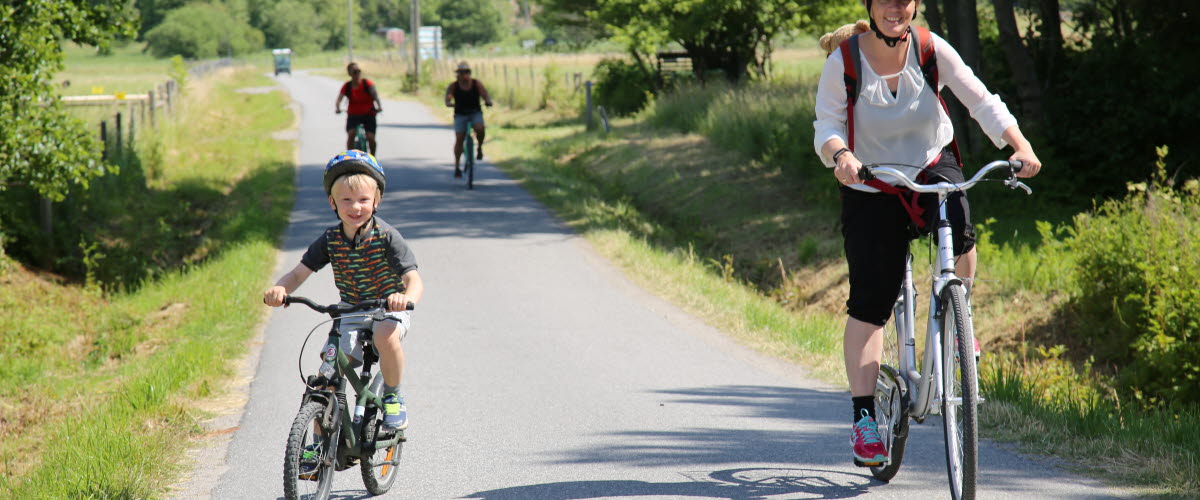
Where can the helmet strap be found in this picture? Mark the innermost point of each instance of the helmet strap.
(891, 41)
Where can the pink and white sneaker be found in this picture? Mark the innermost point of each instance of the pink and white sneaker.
(864, 439)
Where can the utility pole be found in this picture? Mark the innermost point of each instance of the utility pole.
(350, 29)
(416, 41)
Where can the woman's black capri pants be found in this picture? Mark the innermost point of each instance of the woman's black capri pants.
(877, 230)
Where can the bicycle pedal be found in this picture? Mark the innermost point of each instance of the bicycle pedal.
(860, 463)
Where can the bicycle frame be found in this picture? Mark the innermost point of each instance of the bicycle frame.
(345, 374)
(924, 382)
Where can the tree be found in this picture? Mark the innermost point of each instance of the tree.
(1024, 72)
(293, 23)
(41, 145)
(724, 37)
(202, 30)
(469, 22)
(567, 22)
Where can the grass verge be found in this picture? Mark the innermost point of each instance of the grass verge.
(742, 246)
(100, 387)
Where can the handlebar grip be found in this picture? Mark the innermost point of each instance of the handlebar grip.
(411, 306)
(1016, 165)
(866, 174)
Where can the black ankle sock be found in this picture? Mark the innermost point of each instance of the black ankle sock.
(863, 403)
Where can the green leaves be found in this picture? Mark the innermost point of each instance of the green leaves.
(40, 144)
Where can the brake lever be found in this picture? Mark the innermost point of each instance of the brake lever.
(1013, 183)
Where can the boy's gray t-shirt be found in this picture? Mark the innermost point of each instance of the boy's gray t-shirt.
(367, 266)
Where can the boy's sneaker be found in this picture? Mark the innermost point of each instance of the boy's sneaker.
(864, 439)
(395, 416)
(310, 459)
(479, 152)
(457, 173)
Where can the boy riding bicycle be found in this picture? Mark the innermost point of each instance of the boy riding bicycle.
(370, 261)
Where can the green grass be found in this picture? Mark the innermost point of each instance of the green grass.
(100, 400)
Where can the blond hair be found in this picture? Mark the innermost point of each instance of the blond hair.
(358, 181)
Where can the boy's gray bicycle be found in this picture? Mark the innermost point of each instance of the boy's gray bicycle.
(325, 437)
(947, 381)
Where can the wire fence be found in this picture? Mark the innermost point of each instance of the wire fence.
(119, 131)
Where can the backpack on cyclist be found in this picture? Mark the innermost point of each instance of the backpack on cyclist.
(852, 68)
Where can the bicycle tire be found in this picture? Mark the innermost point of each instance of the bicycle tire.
(959, 398)
(380, 483)
(891, 413)
(360, 139)
(300, 436)
(469, 150)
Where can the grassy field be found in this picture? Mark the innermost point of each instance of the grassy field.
(102, 389)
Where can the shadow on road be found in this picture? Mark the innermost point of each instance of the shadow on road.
(740, 484)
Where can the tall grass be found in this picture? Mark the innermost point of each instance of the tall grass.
(101, 385)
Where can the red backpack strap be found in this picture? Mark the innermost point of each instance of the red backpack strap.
(851, 68)
(927, 58)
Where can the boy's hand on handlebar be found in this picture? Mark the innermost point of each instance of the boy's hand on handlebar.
(847, 168)
(1030, 161)
(274, 296)
(397, 302)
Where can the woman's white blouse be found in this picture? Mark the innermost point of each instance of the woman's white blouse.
(910, 127)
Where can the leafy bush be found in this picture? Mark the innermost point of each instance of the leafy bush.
(201, 30)
(1139, 287)
(623, 87)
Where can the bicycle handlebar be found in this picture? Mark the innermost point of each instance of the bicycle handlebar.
(339, 308)
(870, 172)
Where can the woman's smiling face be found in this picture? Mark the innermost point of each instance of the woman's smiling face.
(892, 17)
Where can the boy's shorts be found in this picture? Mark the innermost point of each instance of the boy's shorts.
(351, 325)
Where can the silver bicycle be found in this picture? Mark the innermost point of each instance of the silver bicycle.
(947, 381)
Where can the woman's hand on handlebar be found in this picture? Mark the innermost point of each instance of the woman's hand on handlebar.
(274, 296)
(847, 168)
(1030, 161)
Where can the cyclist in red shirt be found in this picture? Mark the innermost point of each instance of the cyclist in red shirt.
(362, 106)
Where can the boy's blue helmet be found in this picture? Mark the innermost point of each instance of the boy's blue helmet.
(353, 162)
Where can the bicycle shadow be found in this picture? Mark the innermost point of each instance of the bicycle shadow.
(733, 484)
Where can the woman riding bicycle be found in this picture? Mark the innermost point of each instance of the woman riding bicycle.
(465, 93)
(363, 105)
(898, 119)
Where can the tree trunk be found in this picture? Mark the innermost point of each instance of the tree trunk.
(933, 16)
(962, 27)
(1019, 62)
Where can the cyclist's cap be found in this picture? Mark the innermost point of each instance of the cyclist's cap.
(353, 162)
(463, 66)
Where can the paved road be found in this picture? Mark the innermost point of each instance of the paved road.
(537, 371)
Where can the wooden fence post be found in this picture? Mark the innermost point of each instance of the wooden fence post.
(103, 140)
(120, 148)
(150, 104)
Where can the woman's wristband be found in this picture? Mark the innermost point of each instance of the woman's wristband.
(838, 154)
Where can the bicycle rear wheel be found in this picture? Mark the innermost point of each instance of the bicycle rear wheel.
(959, 398)
(316, 484)
(379, 469)
(891, 393)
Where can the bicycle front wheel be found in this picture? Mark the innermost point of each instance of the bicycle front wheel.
(959, 398)
(308, 477)
(380, 468)
(469, 150)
